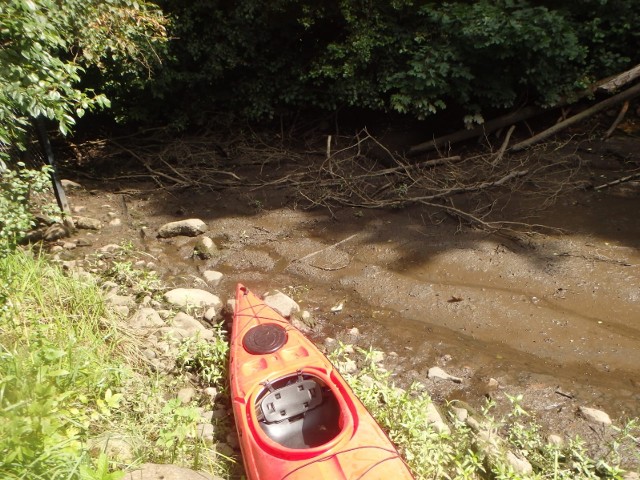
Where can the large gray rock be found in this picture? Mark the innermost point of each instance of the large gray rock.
(192, 297)
(436, 373)
(153, 471)
(205, 248)
(191, 227)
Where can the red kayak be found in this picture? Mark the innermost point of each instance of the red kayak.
(296, 416)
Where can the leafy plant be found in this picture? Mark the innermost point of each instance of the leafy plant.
(17, 191)
(206, 359)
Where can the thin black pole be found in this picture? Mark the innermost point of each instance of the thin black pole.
(43, 138)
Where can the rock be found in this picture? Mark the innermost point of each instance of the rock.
(154, 471)
(69, 245)
(232, 440)
(436, 373)
(205, 431)
(212, 277)
(555, 440)
(354, 332)
(121, 310)
(348, 366)
(192, 297)
(521, 466)
(210, 315)
(109, 248)
(70, 184)
(185, 395)
(281, 303)
(146, 318)
(78, 209)
(493, 383)
(631, 476)
(212, 393)
(330, 344)
(116, 446)
(190, 228)
(87, 223)
(224, 449)
(595, 416)
(461, 414)
(83, 242)
(116, 222)
(205, 248)
(435, 420)
(116, 300)
(56, 232)
(191, 326)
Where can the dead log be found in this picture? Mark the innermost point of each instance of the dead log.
(614, 83)
(481, 130)
(607, 85)
(609, 102)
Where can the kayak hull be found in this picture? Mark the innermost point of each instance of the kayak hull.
(295, 415)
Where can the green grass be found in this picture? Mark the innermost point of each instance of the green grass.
(72, 381)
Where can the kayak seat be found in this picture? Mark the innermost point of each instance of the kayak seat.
(302, 413)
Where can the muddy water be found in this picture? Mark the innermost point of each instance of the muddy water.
(555, 316)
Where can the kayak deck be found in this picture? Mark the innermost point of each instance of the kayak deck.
(296, 417)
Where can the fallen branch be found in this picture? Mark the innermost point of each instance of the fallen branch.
(617, 81)
(324, 249)
(609, 102)
(616, 122)
(617, 182)
(481, 130)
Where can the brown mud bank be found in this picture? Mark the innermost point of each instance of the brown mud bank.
(553, 316)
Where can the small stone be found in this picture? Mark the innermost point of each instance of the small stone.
(631, 476)
(435, 420)
(205, 248)
(194, 297)
(121, 310)
(78, 209)
(110, 248)
(493, 383)
(330, 344)
(191, 326)
(354, 332)
(348, 366)
(461, 414)
(70, 185)
(520, 466)
(145, 318)
(116, 222)
(205, 431)
(212, 393)
(595, 416)
(212, 277)
(191, 228)
(69, 245)
(185, 395)
(224, 449)
(87, 223)
(437, 373)
(210, 314)
(281, 303)
(555, 440)
(83, 242)
(232, 440)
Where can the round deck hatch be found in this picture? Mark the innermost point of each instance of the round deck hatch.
(265, 338)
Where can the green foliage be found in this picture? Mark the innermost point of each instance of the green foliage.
(455, 454)
(47, 47)
(17, 191)
(55, 370)
(206, 359)
(417, 58)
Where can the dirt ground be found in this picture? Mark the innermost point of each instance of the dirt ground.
(554, 316)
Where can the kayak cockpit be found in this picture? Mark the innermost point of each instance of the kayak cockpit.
(298, 411)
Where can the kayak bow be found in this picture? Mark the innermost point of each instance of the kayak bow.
(296, 417)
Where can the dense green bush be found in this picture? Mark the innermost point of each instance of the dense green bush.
(259, 59)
